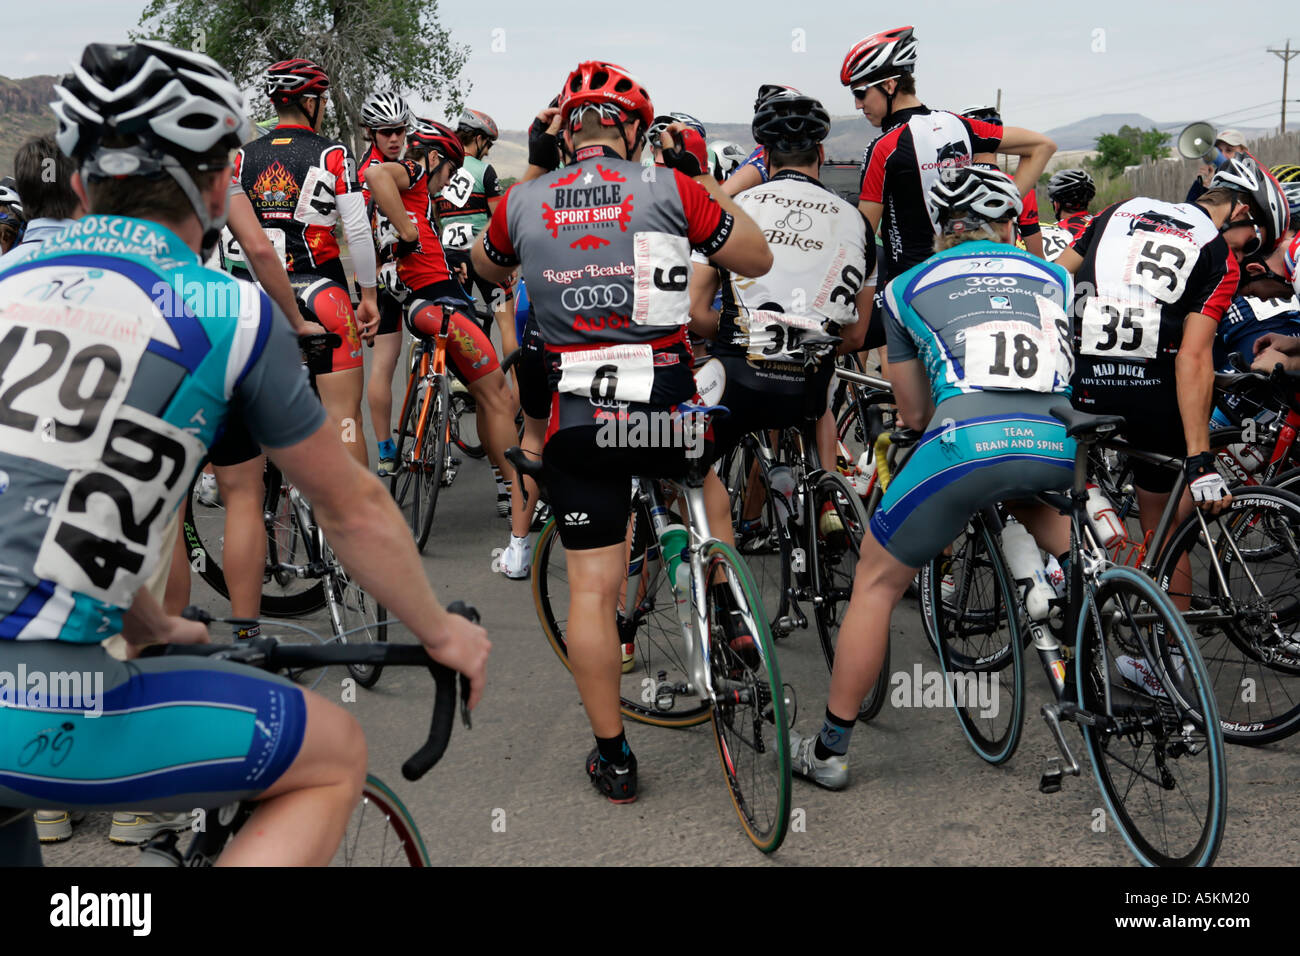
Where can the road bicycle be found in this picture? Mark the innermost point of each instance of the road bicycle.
(424, 432)
(380, 832)
(698, 642)
(1138, 689)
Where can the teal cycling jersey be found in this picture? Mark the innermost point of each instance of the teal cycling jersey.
(983, 316)
(121, 360)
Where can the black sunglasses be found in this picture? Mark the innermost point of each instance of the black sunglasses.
(391, 131)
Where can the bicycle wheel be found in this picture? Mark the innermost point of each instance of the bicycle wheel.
(434, 459)
(405, 483)
(381, 831)
(749, 717)
(766, 545)
(975, 628)
(357, 618)
(464, 417)
(651, 627)
(1248, 636)
(836, 544)
(1160, 772)
(283, 594)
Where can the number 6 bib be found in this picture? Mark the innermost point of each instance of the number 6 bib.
(617, 373)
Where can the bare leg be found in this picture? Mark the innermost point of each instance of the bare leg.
(379, 393)
(243, 489)
(340, 393)
(496, 409)
(595, 578)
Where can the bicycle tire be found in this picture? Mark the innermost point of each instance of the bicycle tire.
(749, 717)
(656, 634)
(406, 478)
(434, 458)
(464, 409)
(974, 644)
(836, 564)
(202, 546)
(768, 550)
(1152, 712)
(1254, 674)
(381, 831)
(361, 618)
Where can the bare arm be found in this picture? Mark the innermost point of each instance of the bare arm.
(369, 535)
(746, 177)
(1069, 260)
(484, 266)
(1194, 374)
(145, 622)
(872, 211)
(912, 393)
(854, 335)
(386, 182)
(1034, 245)
(1034, 150)
(704, 286)
(264, 262)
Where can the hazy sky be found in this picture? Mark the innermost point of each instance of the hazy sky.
(1055, 63)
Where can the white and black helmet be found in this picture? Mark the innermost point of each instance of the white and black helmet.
(384, 110)
(1244, 174)
(147, 108)
(1072, 188)
(974, 195)
(9, 194)
(729, 155)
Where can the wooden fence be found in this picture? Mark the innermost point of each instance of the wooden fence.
(1169, 179)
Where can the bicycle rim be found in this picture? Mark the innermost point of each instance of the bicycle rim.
(380, 831)
(1160, 772)
(749, 717)
(652, 627)
(982, 657)
(434, 458)
(767, 546)
(465, 416)
(1249, 637)
(364, 621)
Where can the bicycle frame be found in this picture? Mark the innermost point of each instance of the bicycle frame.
(426, 365)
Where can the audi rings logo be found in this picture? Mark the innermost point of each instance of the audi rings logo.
(612, 296)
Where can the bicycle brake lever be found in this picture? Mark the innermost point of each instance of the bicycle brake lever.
(464, 702)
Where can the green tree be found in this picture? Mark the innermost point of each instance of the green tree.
(363, 45)
(1129, 147)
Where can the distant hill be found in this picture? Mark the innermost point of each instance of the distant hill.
(1083, 133)
(24, 112)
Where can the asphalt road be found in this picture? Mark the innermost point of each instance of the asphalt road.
(513, 790)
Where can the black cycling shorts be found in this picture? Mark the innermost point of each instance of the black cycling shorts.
(390, 314)
(534, 387)
(753, 406)
(235, 446)
(1152, 423)
(590, 486)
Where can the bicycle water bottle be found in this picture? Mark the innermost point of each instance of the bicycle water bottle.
(1026, 566)
(673, 542)
(1103, 519)
(1055, 575)
(783, 484)
(863, 472)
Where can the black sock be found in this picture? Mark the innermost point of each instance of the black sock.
(833, 741)
(614, 749)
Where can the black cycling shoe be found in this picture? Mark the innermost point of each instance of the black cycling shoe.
(618, 782)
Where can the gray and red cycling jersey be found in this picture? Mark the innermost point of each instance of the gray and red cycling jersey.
(901, 166)
(605, 247)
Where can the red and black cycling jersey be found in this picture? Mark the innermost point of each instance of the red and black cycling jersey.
(371, 157)
(1075, 223)
(1027, 222)
(292, 176)
(903, 163)
(426, 269)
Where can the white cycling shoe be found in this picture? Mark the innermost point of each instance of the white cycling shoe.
(516, 560)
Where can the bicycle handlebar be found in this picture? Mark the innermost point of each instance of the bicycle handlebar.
(269, 654)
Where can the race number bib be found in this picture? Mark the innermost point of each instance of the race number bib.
(106, 534)
(231, 251)
(316, 205)
(276, 237)
(459, 188)
(617, 373)
(775, 336)
(1013, 355)
(458, 235)
(1161, 263)
(662, 265)
(1055, 241)
(64, 372)
(1119, 328)
(1265, 309)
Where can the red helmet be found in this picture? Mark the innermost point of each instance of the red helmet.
(430, 135)
(289, 79)
(882, 56)
(597, 83)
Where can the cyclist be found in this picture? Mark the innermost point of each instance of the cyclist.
(979, 348)
(822, 256)
(915, 144)
(729, 157)
(1070, 191)
(661, 123)
(301, 185)
(385, 116)
(212, 731)
(753, 170)
(1027, 225)
(604, 245)
(1227, 144)
(50, 202)
(464, 206)
(417, 272)
(1154, 281)
(12, 218)
(1267, 308)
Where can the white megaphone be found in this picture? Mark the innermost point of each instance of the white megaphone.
(1197, 142)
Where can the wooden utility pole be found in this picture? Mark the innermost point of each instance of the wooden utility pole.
(1285, 57)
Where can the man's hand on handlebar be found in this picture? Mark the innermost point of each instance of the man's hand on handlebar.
(463, 646)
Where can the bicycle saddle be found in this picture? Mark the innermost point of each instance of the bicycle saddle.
(1079, 423)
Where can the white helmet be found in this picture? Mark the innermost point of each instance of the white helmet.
(729, 155)
(384, 110)
(974, 195)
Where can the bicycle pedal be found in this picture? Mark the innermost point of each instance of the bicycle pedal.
(1050, 782)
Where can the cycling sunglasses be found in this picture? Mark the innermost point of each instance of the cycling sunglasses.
(391, 131)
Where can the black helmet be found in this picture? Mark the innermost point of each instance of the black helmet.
(790, 122)
(1072, 188)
